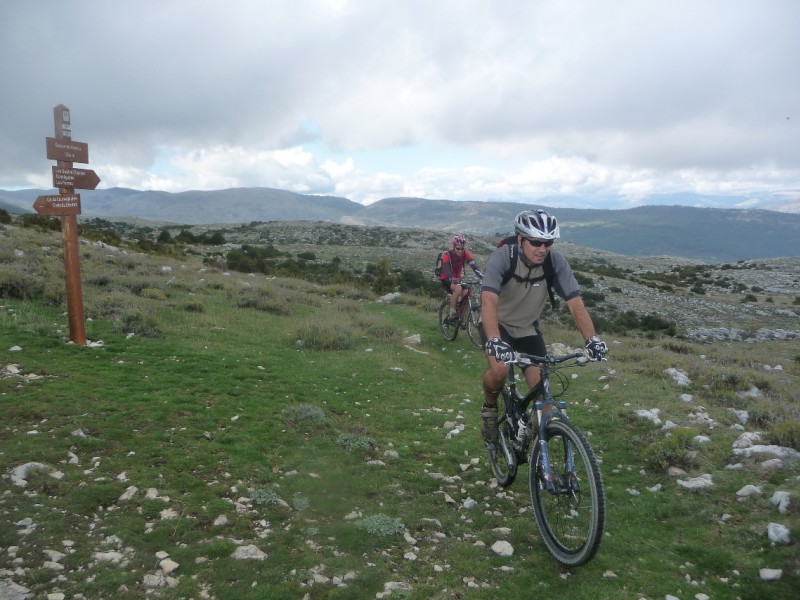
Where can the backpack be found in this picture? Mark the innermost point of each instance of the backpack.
(438, 269)
(549, 271)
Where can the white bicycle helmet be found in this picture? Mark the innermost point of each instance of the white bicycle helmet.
(537, 224)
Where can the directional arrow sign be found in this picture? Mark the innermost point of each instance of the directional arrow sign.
(84, 179)
(67, 150)
(58, 206)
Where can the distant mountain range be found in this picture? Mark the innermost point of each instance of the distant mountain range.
(708, 234)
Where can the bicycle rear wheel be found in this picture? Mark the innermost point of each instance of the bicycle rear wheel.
(448, 328)
(571, 513)
(502, 457)
(472, 329)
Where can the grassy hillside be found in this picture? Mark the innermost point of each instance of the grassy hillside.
(216, 413)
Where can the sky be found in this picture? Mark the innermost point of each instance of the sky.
(587, 104)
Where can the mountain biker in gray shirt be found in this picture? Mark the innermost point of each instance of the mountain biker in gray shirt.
(512, 303)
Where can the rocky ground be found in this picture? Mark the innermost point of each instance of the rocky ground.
(702, 315)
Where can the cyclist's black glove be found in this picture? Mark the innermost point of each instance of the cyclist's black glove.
(501, 350)
(596, 348)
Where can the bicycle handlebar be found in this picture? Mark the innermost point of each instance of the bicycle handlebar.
(522, 359)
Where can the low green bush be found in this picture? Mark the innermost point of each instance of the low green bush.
(674, 450)
(785, 434)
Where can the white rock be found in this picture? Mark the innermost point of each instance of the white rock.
(702, 439)
(249, 552)
(54, 555)
(221, 520)
(502, 548)
(680, 377)
(748, 490)
(777, 533)
(609, 575)
(753, 392)
(686, 398)
(154, 580)
(168, 565)
(650, 415)
(696, 483)
(111, 556)
(741, 415)
(168, 514)
(771, 449)
(15, 349)
(19, 475)
(747, 439)
(781, 500)
(770, 574)
(129, 493)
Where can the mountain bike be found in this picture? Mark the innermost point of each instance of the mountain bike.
(566, 487)
(468, 313)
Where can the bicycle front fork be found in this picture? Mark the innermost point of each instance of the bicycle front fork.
(552, 481)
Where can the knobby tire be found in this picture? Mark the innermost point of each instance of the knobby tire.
(449, 330)
(502, 457)
(472, 329)
(571, 521)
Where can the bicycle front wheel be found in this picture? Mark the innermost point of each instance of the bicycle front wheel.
(502, 457)
(570, 510)
(472, 329)
(448, 328)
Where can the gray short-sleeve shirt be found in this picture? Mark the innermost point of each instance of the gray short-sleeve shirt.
(520, 304)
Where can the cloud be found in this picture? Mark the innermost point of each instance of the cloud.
(453, 99)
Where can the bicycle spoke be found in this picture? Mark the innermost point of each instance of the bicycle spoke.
(570, 513)
(448, 328)
(502, 457)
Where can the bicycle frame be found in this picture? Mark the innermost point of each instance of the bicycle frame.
(545, 399)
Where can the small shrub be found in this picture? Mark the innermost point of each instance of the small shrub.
(381, 524)
(138, 324)
(5, 217)
(305, 415)
(785, 434)
(671, 451)
(300, 502)
(153, 294)
(325, 335)
(266, 496)
(194, 307)
(275, 305)
(352, 442)
(19, 287)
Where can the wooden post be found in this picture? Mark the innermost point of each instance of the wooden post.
(69, 233)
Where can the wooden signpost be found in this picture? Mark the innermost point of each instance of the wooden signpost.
(67, 205)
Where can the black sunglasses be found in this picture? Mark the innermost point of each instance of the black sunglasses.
(458, 248)
(538, 243)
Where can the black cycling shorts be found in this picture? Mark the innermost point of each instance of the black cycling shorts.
(530, 344)
(446, 283)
